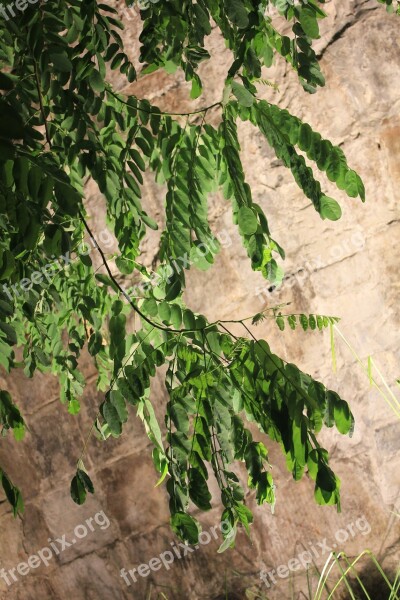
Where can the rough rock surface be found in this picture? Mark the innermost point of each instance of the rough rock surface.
(348, 269)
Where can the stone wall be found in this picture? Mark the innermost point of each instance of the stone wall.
(348, 269)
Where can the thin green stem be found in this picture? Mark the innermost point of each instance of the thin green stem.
(392, 401)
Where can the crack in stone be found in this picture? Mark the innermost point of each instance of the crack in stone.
(95, 552)
(316, 269)
(339, 34)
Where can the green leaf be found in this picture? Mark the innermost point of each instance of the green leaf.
(77, 490)
(353, 185)
(361, 188)
(9, 332)
(337, 167)
(343, 417)
(95, 343)
(118, 401)
(247, 220)
(68, 198)
(245, 516)
(12, 493)
(127, 391)
(198, 490)
(229, 540)
(330, 209)
(236, 12)
(176, 316)
(164, 312)
(179, 417)
(86, 481)
(19, 431)
(305, 137)
(325, 498)
(61, 62)
(111, 416)
(185, 527)
(325, 479)
(197, 88)
(308, 21)
(7, 264)
(244, 97)
(148, 416)
(304, 322)
(313, 464)
(173, 289)
(189, 320)
(150, 307)
(149, 221)
(74, 406)
(96, 82)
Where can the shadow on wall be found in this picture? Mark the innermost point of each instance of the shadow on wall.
(375, 588)
(374, 584)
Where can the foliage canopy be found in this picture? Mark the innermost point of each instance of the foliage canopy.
(62, 122)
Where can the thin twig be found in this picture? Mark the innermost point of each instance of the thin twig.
(136, 308)
(41, 105)
(162, 113)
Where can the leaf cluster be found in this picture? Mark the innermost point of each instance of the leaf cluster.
(63, 123)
